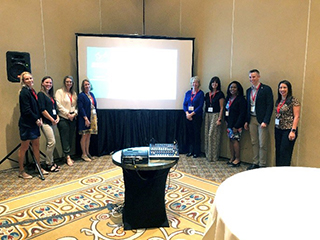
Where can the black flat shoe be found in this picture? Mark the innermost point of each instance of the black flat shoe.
(195, 155)
(189, 154)
(229, 162)
(253, 166)
(236, 164)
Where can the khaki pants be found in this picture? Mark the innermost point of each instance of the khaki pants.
(259, 140)
(48, 132)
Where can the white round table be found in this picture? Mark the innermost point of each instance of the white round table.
(278, 203)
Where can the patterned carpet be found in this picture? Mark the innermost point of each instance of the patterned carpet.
(65, 200)
(12, 186)
(79, 210)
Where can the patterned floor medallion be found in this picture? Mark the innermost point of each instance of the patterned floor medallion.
(81, 210)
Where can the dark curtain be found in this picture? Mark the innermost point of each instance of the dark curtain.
(119, 129)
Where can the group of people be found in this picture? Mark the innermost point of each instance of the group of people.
(46, 111)
(252, 113)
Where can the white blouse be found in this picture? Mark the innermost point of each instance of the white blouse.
(65, 104)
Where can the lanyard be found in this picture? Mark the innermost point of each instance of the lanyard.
(193, 95)
(253, 97)
(90, 98)
(70, 97)
(280, 106)
(34, 94)
(52, 102)
(212, 96)
(230, 101)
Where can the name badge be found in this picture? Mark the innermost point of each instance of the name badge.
(210, 109)
(191, 108)
(227, 113)
(252, 109)
(54, 112)
(94, 112)
(277, 121)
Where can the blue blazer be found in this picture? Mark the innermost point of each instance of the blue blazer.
(84, 109)
(264, 104)
(197, 102)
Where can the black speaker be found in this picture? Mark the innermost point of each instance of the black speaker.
(17, 63)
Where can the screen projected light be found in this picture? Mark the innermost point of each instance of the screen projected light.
(129, 72)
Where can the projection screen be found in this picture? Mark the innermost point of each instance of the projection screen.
(136, 72)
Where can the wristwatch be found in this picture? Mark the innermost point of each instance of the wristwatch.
(293, 130)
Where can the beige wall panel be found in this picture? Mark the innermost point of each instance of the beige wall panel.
(309, 132)
(163, 18)
(20, 31)
(121, 16)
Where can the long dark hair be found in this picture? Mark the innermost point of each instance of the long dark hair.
(43, 89)
(239, 88)
(217, 80)
(289, 95)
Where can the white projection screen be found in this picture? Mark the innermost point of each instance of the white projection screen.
(136, 72)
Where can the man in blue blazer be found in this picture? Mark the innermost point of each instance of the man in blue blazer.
(260, 107)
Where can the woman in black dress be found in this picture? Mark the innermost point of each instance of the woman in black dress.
(235, 116)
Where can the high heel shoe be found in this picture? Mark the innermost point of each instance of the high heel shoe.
(236, 164)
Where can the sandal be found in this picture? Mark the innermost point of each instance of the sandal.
(24, 175)
(44, 172)
(86, 158)
(53, 168)
(91, 157)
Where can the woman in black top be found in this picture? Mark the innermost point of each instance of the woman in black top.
(29, 122)
(214, 106)
(235, 116)
(48, 109)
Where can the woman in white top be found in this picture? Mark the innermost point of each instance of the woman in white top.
(66, 99)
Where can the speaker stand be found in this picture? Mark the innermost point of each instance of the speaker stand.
(32, 155)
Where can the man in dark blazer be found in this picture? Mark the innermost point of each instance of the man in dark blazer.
(260, 107)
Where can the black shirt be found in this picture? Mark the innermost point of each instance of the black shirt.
(214, 101)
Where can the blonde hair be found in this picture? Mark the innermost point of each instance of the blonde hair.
(22, 78)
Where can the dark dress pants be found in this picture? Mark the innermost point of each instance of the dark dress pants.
(284, 147)
(194, 134)
(67, 131)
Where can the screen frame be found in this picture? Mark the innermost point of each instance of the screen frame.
(192, 39)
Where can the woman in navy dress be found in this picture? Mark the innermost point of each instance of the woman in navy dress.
(88, 121)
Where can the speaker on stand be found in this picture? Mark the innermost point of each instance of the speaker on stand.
(17, 63)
